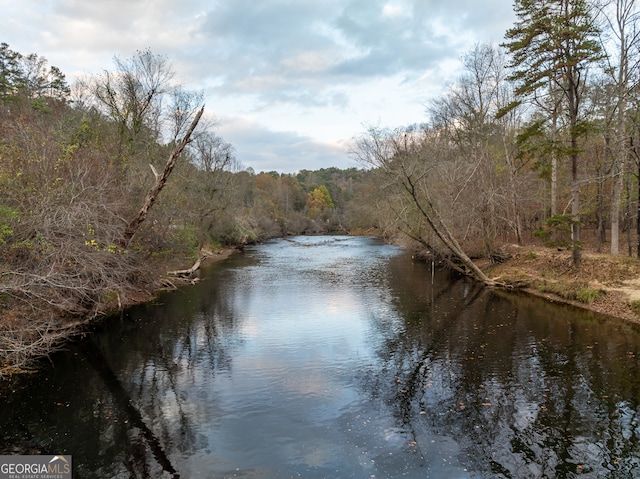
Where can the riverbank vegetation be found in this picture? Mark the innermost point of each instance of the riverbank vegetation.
(109, 183)
(535, 142)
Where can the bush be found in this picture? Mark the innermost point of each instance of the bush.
(7, 217)
(188, 241)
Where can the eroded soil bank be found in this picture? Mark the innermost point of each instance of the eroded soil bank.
(603, 283)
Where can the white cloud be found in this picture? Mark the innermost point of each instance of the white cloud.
(296, 79)
(266, 149)
(392, 10)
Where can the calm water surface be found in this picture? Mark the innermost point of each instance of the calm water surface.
(336, 357)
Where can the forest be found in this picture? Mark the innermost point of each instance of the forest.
(109, 184)
(108, 181)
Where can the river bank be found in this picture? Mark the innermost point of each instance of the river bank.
(605, 284)
(27, 335)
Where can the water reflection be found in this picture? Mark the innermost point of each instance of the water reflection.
(519, 387)
(332, 357)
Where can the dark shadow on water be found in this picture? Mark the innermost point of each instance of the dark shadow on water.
(522, 388)
(126, 405)
(378, 373)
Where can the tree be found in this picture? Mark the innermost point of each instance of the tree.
(467, 114)
(407, 160)
(621, 18)
(161, 180)
(204, 186)
(9, 71)
(319, 203)
(65, 199)
(179, 112)
(553, 43)
(131, 95)
(30, 77)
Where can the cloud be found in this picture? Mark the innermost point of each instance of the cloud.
(312, 71)
(84, 36)
(264, 149)
(297, 51)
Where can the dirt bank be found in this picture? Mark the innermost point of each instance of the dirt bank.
(603, 283)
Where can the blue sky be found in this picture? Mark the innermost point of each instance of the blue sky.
(290, 82)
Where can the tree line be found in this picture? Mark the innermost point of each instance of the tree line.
(538, 136)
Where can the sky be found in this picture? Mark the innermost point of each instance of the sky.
(290, 83)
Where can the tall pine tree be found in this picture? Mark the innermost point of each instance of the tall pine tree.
(9, 71)
(552, 45)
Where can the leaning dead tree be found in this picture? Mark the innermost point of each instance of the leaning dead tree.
(400, 156)
(430, 213)
(161, 180)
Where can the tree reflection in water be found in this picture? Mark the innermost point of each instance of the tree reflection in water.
(162, 371)
(403, 378)
(524, 389)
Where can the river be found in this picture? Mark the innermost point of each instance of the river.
(338, 357)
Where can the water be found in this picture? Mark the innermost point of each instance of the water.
(335, 357)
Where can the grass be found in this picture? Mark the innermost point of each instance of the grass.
(587, 295)
(570, 290)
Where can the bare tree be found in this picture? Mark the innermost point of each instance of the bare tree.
(407, 158)
(131, 95)
(621, 18)
(466, 113)
(179, 112)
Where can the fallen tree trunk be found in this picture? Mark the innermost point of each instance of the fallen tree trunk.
(439, 227)
(186, 273)
(161, 180)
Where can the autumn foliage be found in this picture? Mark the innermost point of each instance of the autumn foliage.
(75, 166)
